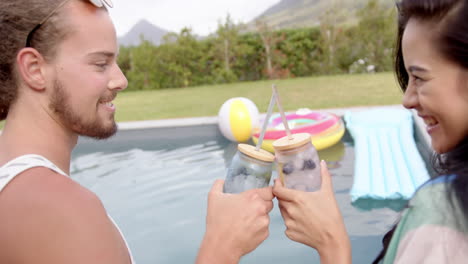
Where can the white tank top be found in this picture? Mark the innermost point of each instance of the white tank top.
(25, 162)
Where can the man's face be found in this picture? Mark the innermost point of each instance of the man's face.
(86, 75)
(91, 127)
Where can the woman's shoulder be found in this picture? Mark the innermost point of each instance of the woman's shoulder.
(439, 180)
(433, 203)
(433, 227)
(434, 190)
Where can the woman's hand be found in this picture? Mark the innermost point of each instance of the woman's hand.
(235, 224)
(314, 219)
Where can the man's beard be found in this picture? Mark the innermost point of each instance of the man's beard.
(94, 128)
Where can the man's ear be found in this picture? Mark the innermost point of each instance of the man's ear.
(31, 69)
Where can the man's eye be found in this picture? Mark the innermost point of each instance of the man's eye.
(101, 65)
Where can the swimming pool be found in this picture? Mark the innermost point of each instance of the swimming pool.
(154, 182)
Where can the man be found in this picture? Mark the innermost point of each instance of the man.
(58, 78)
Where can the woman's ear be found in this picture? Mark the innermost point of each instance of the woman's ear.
(30, 65)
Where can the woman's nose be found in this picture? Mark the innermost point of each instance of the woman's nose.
(410, 98)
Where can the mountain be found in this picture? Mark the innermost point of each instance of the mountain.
(306, 13)
(143, 28)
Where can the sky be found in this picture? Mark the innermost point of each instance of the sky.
(200, 15)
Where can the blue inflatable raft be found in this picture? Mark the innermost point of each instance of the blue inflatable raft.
(388, 164)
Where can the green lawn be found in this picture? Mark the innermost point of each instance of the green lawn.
(313, 92)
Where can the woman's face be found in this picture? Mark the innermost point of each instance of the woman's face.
(437, 88)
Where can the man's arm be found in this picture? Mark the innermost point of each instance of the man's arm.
(236, 224)
(47, 218)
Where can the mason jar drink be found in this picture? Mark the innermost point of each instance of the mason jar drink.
(298, 163)
(249, 169)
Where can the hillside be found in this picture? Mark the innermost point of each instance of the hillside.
(144, 28)
(285, 14)
(306, 13)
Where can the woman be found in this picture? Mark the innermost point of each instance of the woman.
(432, 69)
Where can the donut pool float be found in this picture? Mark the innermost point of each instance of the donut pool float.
(326, 129)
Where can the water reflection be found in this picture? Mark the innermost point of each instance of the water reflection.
(367, 204)
(333, 155)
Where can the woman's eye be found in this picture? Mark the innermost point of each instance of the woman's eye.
(416, 79)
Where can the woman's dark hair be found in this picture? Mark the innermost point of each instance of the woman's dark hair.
(449, 16)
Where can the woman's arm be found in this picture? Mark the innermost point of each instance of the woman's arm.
(314, 219)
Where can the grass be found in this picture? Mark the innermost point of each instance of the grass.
(313, 92)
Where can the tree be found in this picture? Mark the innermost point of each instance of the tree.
(227, 47)
(273, 56)
(332, 36)
(142, 63)
(376, 30)
(299, 48)
(124, 59)
(180, 59)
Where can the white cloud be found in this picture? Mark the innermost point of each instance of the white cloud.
(201, 15)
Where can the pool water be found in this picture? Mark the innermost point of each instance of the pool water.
(154, 183)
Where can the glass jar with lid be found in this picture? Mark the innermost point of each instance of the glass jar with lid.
(298, 162)
(249, 169)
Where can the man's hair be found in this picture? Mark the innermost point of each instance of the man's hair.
(17, 19)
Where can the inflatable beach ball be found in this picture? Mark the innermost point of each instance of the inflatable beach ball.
(237, 118)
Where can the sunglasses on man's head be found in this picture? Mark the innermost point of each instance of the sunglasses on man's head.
(97, 3)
